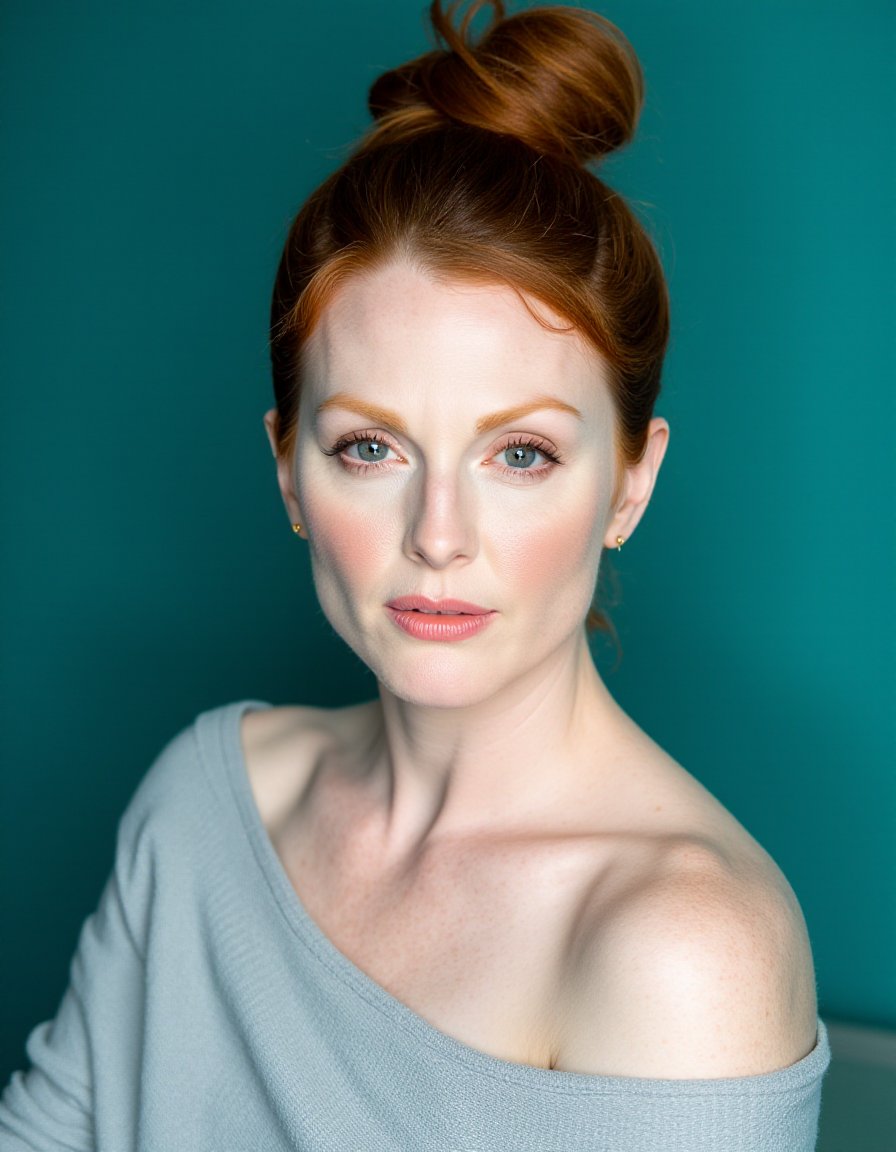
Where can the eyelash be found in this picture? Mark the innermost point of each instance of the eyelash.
(361, 467)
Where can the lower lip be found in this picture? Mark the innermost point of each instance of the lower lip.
(429, 626)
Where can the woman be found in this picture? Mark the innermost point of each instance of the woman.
(483, 910)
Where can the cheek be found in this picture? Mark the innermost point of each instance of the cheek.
(346, 551)
(555, 552)
(348, 542)
(345, 544)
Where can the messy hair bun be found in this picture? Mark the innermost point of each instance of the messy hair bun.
(475, 167)
(563, 80)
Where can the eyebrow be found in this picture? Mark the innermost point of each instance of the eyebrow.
(379, 415)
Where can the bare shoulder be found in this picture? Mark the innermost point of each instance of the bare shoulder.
(282, 746)
(701, 967)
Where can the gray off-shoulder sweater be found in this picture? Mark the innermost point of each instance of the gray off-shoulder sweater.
(207, 1012)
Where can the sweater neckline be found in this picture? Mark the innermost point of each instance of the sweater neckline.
(228, 722)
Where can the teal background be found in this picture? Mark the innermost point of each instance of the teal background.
(152, 158)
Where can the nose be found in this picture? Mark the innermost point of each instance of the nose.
(440, 527)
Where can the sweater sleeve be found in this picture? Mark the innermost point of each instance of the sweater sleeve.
(88, 1056)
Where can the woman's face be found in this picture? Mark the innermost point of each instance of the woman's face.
(448, 446)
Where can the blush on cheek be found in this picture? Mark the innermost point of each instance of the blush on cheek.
(352, 541)
(343, 551)
(554, 563)
(352, 549)
(568, 537)
(341, 532)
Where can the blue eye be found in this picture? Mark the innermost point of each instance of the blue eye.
(371, 456)
(521, 453)
(527, 458)
(370, 451)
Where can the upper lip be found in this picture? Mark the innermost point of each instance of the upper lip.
(407, 603)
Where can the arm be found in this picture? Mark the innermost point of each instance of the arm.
(82, 1089)
(51, 1106)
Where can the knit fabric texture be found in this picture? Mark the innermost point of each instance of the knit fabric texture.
(207, 1012)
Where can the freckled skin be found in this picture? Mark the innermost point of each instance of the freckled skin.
(440, 517)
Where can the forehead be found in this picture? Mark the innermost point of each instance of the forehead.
(400, 328)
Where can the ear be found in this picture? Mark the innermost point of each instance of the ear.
(284, 470)
(637, 484)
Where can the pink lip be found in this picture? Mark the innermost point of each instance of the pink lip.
(426, 626)
(409, 603)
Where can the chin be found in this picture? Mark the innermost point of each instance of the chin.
(433, 683)
(442, 698)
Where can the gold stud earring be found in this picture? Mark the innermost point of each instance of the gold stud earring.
(620, 540)
(297, 528)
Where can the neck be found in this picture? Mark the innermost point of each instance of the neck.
(507, 762)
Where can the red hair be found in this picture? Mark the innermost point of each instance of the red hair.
(475, 169)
